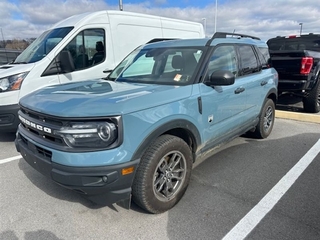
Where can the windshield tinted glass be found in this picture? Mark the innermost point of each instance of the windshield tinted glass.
(42, 45)
(298, 43)
(173, 66)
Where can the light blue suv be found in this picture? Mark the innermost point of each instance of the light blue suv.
(138, 132)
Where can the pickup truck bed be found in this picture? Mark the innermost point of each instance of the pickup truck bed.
(299, 75)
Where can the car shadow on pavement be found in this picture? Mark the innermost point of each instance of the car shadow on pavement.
(290, 103)
(9, 234)
(7, 137)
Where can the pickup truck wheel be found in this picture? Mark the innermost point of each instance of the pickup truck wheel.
(311, 103)
(163, 174)
(266, 120)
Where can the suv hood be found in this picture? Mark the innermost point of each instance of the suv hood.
(101, 98)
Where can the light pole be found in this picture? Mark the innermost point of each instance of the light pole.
(120, 5)
(300, 28)
(4, 43)
(204, 25)
(215, 17)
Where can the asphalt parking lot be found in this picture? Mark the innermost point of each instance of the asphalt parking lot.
(248, 189)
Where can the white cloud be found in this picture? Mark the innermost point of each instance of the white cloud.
(264, 19)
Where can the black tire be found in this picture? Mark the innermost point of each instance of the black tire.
(311, 104)
(266, 120)
(163, 174)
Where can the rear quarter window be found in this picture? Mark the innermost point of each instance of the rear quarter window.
(297, 43)
(264, 56)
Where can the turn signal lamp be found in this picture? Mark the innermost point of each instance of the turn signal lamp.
(128, 170)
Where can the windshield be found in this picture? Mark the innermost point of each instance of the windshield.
(302, 43)
(173, 66)
(42, 45)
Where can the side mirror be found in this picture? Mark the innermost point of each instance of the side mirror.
(221, 78)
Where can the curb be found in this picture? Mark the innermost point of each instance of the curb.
(304, 117)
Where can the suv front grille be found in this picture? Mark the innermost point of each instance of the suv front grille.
(36, 149)
(42, 126)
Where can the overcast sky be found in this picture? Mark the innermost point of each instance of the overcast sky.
(21, 19)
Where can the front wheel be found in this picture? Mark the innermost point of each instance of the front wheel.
(163, 174)
(266, 120)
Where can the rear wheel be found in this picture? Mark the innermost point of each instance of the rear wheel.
(163, 174)
(311, 103)
(266, 120)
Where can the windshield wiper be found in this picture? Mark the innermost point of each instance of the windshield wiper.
(18, 63)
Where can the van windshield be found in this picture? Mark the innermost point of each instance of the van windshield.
(42, 45)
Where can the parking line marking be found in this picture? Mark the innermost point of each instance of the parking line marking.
(256, 214)
(10, 159)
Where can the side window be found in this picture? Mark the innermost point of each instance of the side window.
(248, 60)
(264, 57)
(87, 48)
(223, 58)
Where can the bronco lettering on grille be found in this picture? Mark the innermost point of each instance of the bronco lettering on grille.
(34, 125)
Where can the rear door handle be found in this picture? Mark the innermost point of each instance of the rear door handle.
(239, 90)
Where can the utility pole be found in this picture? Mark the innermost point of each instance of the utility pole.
(205, 25)
(120, 5)
(4, 45)
(300, 28)
(215, 17)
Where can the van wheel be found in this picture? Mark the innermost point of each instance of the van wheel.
(163, 174)
(311, 104)
(266, 120)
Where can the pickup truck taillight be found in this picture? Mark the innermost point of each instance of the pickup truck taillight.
(306, 65)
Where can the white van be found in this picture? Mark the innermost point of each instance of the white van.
(96, 42)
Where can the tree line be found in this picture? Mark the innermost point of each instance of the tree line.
(16, 44)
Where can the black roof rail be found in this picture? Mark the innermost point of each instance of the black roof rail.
(160, 39)
(224, 35)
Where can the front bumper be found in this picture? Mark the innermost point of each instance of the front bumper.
(9, 119)
(103, 185)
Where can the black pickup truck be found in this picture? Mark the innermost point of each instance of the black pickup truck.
(297, 60)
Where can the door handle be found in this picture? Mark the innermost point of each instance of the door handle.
(239, 90)
(263, 83)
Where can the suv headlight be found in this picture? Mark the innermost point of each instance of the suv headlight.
(13, 82)
(90, 135)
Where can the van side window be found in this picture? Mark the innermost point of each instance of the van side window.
(223, 58)
(248, 60)
(87, 48)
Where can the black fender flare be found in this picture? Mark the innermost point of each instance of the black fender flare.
(272, 94)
